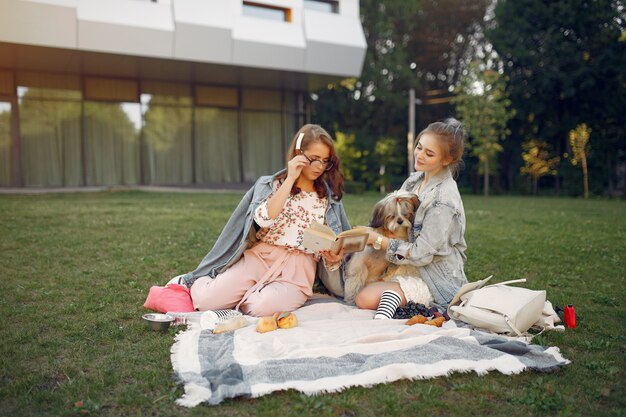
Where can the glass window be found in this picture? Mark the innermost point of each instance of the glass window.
(50, 129)
(166, 93)
(265, 11)
(112, 143)
(127, 132)
(290, 129)
(167, 137)
(263, 146)
(110, 89)
(322, 5)
(52, 86)
(261, 99)
(295, 115)
(7, 86)
(217, 146)
(216, 96)
(6, 157)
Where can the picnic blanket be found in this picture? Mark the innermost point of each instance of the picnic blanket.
(337, 346)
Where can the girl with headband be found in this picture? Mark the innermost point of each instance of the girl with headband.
(436, 245)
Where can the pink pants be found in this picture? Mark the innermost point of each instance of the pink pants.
(265, 280)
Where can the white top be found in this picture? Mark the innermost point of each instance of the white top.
(297, 214)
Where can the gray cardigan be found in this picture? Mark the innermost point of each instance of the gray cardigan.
(437, 240)
(239, 234)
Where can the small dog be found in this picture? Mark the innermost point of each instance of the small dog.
(392, 217)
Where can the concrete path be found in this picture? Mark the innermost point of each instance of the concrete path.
(229, 188)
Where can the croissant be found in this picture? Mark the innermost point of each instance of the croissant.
(437, 321)
(416, 319)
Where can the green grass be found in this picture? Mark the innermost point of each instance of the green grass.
(75, 270)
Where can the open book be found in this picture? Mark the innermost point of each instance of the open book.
(320, 237)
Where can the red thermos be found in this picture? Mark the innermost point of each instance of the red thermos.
(570, 316)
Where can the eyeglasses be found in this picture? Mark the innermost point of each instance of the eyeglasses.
(327, 165)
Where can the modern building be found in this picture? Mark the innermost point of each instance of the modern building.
(167, 92)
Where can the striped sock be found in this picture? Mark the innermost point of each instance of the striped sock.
(389, 302)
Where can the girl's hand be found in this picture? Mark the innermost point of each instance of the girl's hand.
(332, 258)
(372, 237)
(372, 234)
(295, 165)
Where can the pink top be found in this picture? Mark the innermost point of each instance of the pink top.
(297, 214)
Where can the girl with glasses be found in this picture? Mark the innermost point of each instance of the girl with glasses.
(258, 264)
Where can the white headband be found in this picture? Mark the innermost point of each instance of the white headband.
(456, 130)
(299, 141)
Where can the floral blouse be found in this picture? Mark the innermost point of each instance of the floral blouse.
(297, 214)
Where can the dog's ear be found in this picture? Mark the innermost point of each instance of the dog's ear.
(415, 201)
(412, 203)
(378, 215)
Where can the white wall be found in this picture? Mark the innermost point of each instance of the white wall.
(212, 31)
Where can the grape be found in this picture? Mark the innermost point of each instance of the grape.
(411, 309)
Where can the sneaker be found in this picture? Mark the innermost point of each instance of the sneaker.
(176, 280)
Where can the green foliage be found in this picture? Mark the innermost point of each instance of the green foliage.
(537, 161)
(76, 270)
(370, 161)
(579, 140)
(392, 164)
(483, 105)
(354, 187)
(566, 64)
(400, 54)
(353, 161)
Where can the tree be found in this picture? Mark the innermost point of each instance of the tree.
(566, 63)
(482, 104)
(351, 157)
(391, 164)
(538, 162)
(412, 44)
(578, 141)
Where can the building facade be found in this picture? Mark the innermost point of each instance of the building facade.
(168, 92)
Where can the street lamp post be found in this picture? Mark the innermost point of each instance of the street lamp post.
(411, 135)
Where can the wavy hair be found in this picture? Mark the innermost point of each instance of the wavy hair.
(333, 177)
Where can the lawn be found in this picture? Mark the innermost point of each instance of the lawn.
(75, 270)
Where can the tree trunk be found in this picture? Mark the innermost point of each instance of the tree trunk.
(497, 189)
(535, 183)
(610, 176)
(585, 176)
(486, 178)
(475, 181)
(557, 183)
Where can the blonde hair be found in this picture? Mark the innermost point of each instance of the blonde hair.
(450, 134)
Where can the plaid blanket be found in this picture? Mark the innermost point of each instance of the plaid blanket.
(335, 347)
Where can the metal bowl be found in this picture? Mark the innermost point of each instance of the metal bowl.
(158, 321)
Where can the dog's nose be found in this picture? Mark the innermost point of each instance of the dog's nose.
(400, 221)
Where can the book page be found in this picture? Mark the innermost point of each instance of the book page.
(318, 237)
(351, 242)
(315, 241)
(321, 237)
(321, 228)
(357, 231)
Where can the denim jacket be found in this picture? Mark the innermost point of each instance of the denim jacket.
(436, 243)
(240, 231)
